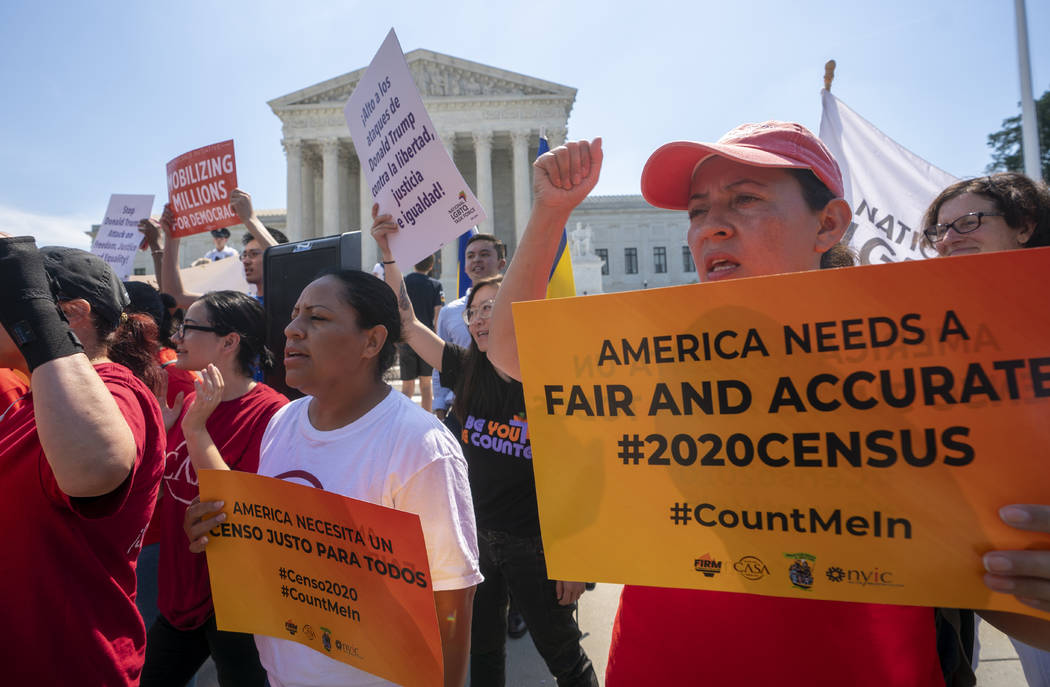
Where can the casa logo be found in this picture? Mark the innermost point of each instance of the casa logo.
(326, 638)
(308, 632)
(707, 565)
(291, 627)
(866, 578)
(751, 568)
(800, 572)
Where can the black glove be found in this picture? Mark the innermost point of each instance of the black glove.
(27, 309)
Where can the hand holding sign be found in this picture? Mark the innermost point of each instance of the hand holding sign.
(1025, 574)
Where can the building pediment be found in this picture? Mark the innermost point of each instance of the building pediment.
(437, 76)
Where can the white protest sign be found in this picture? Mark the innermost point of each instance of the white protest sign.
(408, 170)
(118, 236)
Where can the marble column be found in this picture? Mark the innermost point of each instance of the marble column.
(330, 192)
(522, 193)
(483, 160)
(450, 251)
(294, 152)
(308, 228)
(369, 251)
(347, 216)
(556, 137)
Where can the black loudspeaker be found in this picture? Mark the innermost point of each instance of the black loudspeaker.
(287, 269)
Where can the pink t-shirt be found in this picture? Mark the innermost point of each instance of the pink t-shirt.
(68, 571)
(693, 637)
(236, 427)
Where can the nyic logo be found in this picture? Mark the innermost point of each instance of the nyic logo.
(866, 578)
(800, 572)
(707, 565)
(291, 627)
(751, 568)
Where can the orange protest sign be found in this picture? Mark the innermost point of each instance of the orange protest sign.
(199, 186)
(845, 434)
(347, 578)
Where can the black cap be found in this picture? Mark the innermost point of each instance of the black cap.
(76, 273)
(223, 233)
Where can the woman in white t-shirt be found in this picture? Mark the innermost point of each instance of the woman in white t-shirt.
(353, 436)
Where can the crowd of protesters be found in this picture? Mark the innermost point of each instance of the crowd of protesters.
(109, 406)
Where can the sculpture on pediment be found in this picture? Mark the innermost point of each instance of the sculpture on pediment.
(581, 239)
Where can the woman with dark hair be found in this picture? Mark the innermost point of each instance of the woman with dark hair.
(1003, 211)
(491, 408)
(751, 214)
(81, 459)
(987, 214)
(222, 335)
(352, 435)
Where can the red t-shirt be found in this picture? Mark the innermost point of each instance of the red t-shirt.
(68, 572)
(13, 386)
(236, 427)
(688, 637)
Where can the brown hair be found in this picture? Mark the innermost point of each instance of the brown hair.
(1021, 200)
(817, 195)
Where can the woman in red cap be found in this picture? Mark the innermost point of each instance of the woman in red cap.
(765, 199)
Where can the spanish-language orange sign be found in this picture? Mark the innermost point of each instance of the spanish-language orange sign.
(345, 577)
(846, 434)
(199, 186)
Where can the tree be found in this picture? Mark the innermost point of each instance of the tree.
(1006, 143)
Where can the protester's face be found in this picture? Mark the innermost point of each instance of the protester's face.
(324, 344)
(220, 242)
(483, 260)
(747, 221)
(479, 323)
(993, 235)
(252, 259)
(196, 348)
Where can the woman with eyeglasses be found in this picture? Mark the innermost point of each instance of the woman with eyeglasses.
(1003, 211)
(220, 424)
(491, 408)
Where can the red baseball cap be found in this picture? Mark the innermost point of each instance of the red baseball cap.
(668, 174)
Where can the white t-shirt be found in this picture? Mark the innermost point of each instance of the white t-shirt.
(216, 254)
(399, 456)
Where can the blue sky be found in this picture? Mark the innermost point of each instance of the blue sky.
(100, 95)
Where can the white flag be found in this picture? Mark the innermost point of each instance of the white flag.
(887, 186)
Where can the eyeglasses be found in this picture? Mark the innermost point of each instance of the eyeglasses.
(251, 254)
(181, 330)
(484, 311)
(964, 225)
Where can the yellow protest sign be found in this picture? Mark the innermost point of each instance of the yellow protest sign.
(845, 434)
(345, 577)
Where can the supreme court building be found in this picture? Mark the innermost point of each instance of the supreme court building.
(490, 121)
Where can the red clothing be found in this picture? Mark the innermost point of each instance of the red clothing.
(68, 574)
(687, 637)
(236, 427)
(13, 386)
(179, 381)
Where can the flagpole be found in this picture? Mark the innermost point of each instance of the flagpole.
(1029, 128)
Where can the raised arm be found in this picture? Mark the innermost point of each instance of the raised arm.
(241, 202)
(151, 231)
(90, 448)
(171, 278)
(423, 341)
(562, 178)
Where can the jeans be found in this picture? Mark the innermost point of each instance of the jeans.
(173, 655)
(514, 563)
